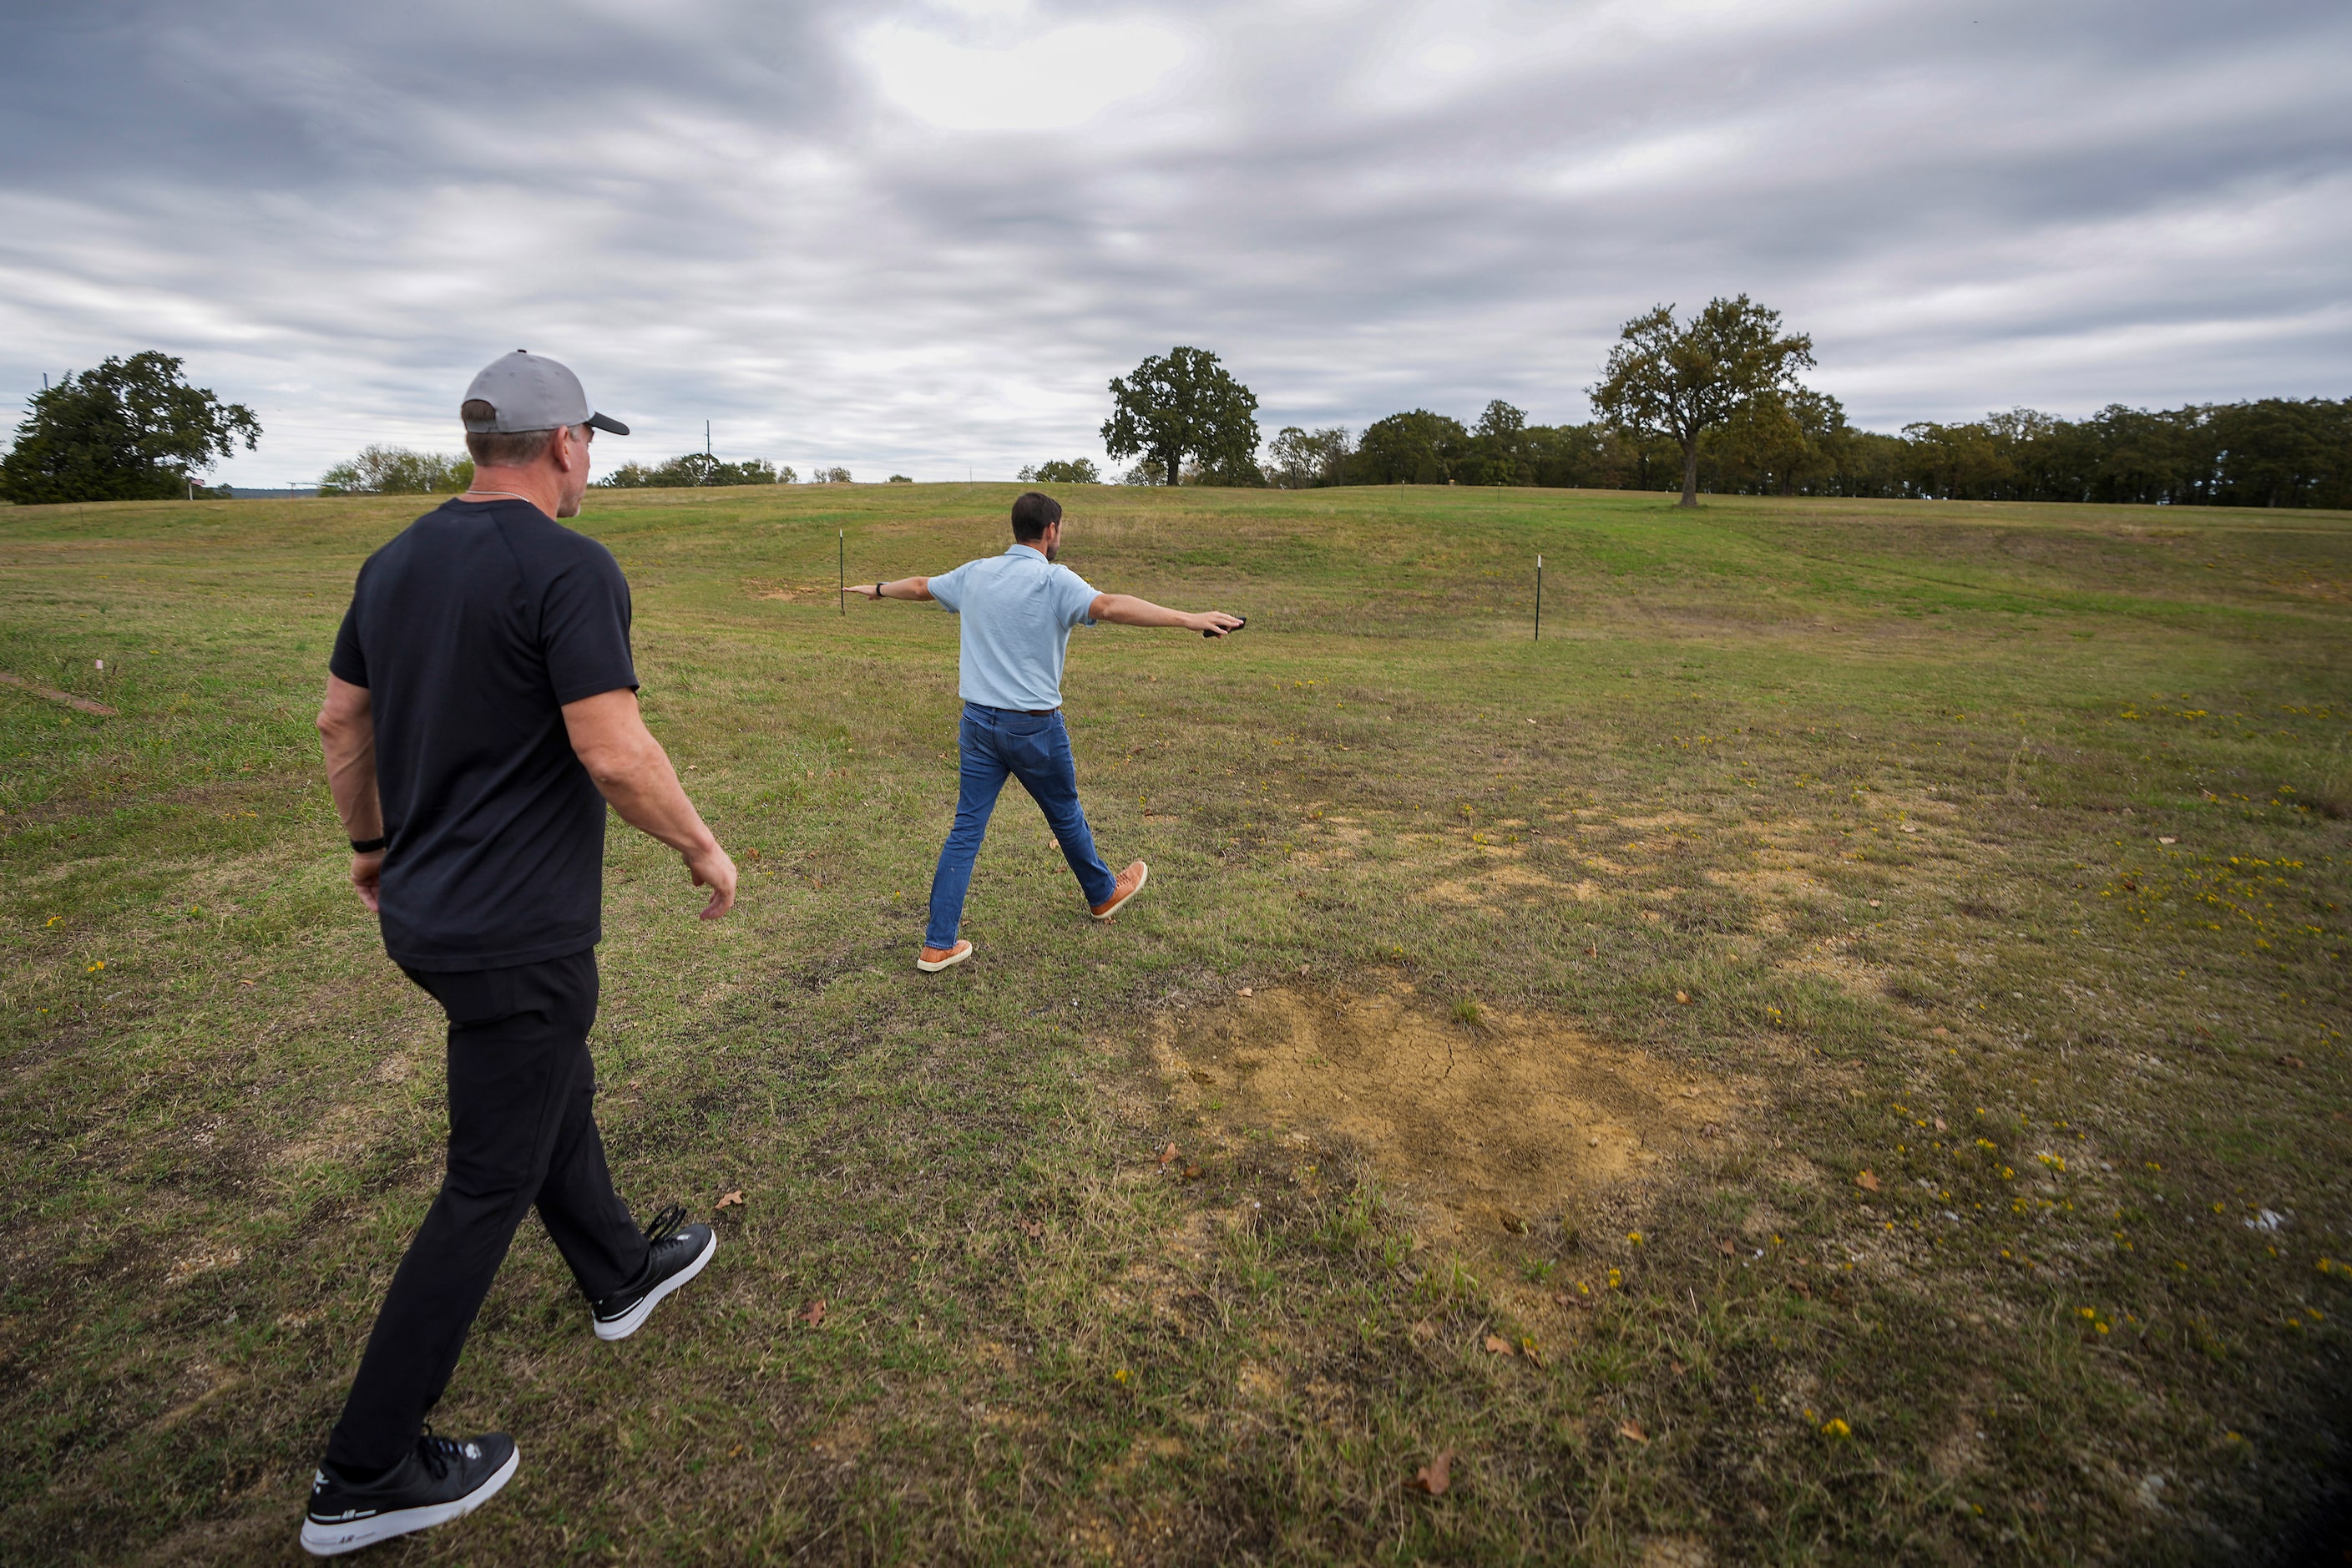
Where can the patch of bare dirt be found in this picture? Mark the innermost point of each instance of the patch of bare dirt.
(1830, 960)
(1664, 819)
(348, 1129)
(1491, 1124)
(808, 591)
(1507, 884)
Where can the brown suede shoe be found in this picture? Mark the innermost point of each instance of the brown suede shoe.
(1130, 882)
(934, 959)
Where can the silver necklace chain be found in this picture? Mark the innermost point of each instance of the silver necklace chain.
(482, 492)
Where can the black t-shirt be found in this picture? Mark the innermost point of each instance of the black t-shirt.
(470, 631)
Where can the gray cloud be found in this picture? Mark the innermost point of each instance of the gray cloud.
(921, 240)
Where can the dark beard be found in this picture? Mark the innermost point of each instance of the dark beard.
(1053, 551)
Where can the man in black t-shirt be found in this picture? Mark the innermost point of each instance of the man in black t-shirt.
(481, 711)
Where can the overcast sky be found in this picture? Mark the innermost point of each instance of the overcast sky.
(921, 238)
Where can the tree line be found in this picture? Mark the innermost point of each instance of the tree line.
(401, 470)
(1710, 405)
(1713, 404)
(2275, 452)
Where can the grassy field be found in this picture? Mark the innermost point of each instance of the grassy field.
(1835, 1053)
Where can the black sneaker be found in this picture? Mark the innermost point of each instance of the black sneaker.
(442, 1479)
(677, 1256)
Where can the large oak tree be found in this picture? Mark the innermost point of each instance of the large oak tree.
(130, 430)
(1680, 382)
(1183, 405)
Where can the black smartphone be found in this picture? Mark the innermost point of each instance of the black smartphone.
(1230, 630)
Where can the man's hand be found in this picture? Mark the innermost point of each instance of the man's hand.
(1213, 623)
(367, 876)
(712, 870)
(916, 588)
(632, 771)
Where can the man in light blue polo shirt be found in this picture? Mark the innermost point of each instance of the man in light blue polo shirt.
(1017, 610)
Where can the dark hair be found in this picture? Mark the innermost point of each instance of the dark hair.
(1033, 514)
(501, 448)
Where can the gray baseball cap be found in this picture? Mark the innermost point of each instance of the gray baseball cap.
(531, 392)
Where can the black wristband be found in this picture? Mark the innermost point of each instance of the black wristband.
(368, 846)
(878, 593)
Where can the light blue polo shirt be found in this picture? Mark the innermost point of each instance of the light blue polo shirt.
(1017, 610)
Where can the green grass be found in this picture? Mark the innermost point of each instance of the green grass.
(223, 1106)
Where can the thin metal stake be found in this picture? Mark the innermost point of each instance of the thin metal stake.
(1538, 598)
(841, 572)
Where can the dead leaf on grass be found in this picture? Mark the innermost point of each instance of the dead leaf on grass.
(1515, 1224)
(1032, 1228)
(1630, 1428)
(813, 1314)
(1497, 1345)
(1434, 1477)
(1866, 1181)
(1529, 1348)
(1168, 1155)
(1197, 1076)
(1682, 997)
(1728, 1247)
(1192, 1173)
(2290, 1061)
(732, 1200)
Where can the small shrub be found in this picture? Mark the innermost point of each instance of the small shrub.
(398, 472)
(1061, 471)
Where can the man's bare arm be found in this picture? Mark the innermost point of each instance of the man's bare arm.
(918, 588)
(347, 731)
(632, 771)
(1127, 610)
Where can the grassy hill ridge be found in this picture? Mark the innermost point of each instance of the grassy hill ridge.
(1994, 854)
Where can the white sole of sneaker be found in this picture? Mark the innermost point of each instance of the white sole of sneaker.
(1131, 893)
(629, 1322)
(932, 966)
(334, 1540)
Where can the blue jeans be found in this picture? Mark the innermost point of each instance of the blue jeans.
(1036, 749)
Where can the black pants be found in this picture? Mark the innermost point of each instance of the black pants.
(522, 1131)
